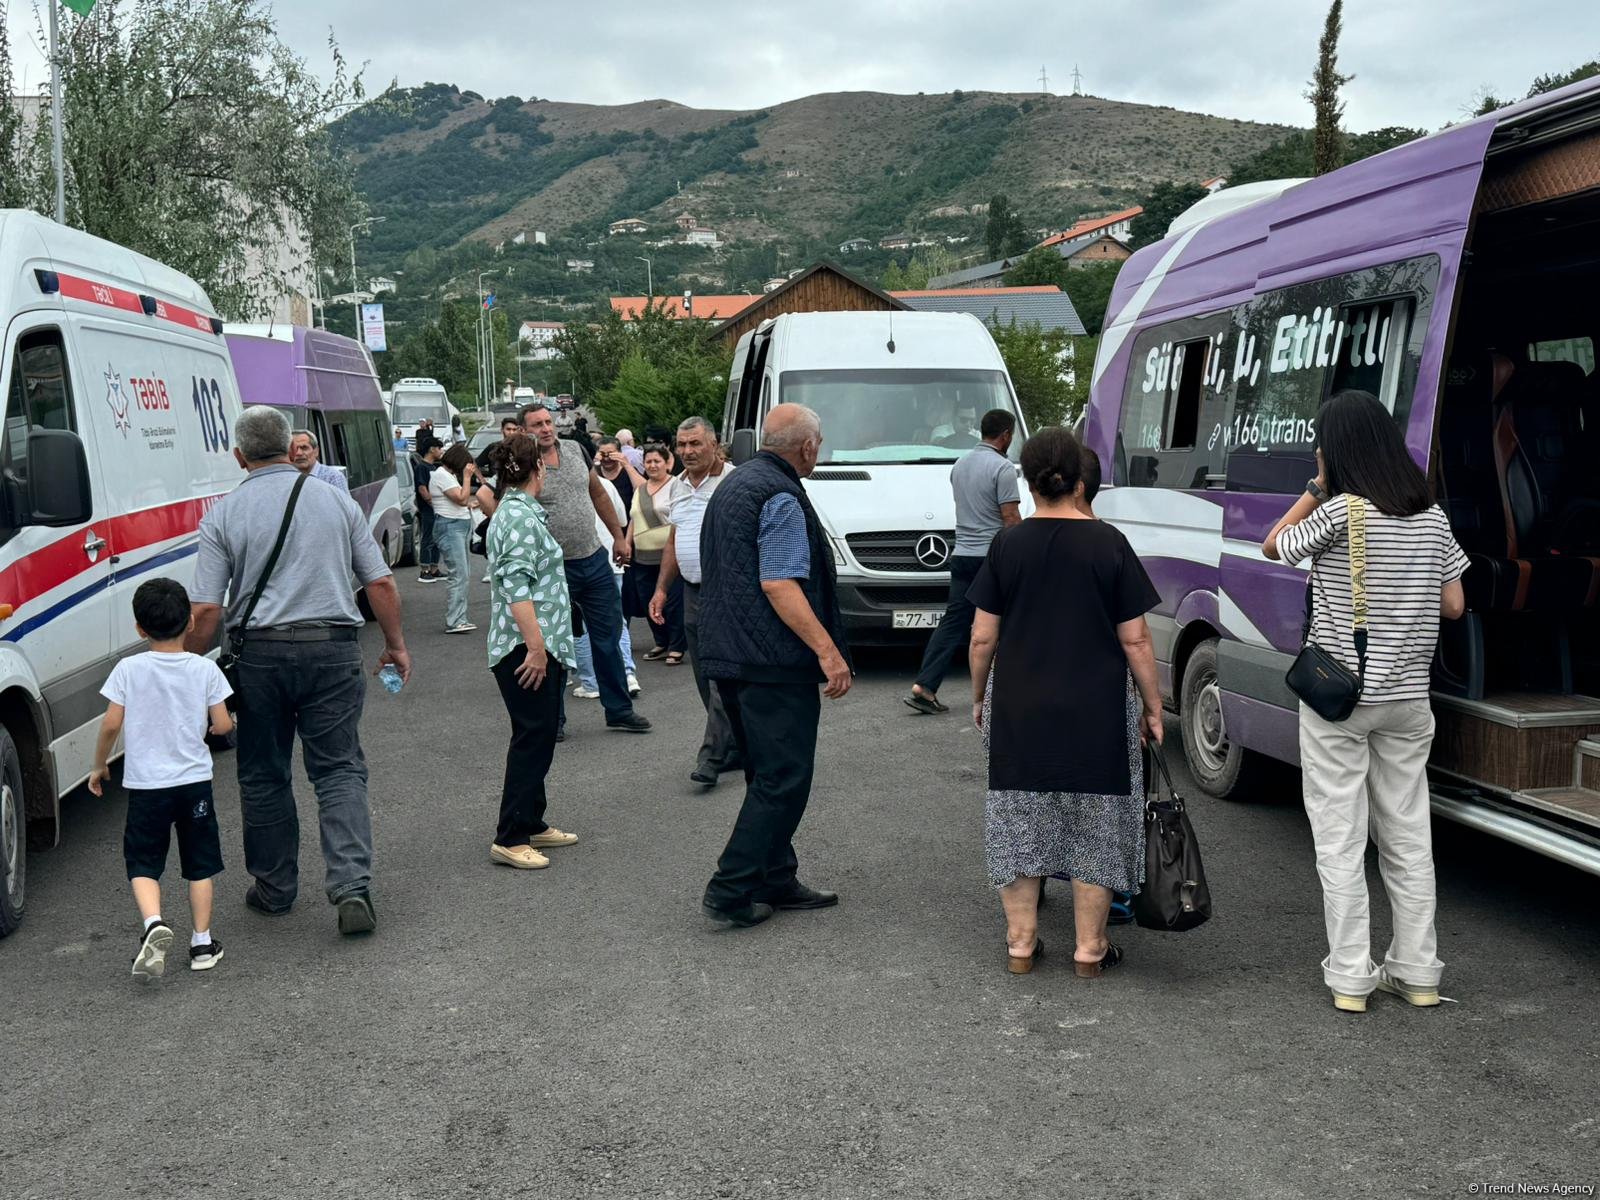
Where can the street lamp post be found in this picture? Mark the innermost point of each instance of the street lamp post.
(485, 345)
(355, 286)
(649, 276)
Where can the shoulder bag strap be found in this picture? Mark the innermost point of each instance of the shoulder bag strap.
(272, 560)
(1356, 517)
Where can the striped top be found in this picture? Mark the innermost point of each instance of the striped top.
(1409, 560)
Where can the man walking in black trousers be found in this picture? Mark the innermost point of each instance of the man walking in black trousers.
(987, 500)
(770, 632)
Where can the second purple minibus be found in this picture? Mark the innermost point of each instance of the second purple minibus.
(1455, 278)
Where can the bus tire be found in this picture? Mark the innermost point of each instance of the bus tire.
(13, 836)
(1219, 767)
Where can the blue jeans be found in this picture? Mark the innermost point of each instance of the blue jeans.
(585, 653)
(594, 589)
(316, 690)
(451, 535)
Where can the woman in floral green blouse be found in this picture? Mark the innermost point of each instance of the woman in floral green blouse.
(530, 650)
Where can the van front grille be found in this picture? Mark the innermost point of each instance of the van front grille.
(897, 550)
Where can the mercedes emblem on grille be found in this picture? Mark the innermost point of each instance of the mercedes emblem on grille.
(932, 551)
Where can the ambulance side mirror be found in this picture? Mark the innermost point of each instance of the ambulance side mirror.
(743, 447)
(58, 479)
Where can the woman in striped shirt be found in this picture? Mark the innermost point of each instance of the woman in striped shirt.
(1377, 759)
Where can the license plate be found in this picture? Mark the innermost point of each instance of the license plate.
(918, 620)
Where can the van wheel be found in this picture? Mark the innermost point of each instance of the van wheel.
(1217, 764)
(13, 836)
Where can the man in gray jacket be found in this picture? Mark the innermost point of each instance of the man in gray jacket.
(299, 663)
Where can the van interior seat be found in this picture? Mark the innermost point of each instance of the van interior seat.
(1492, 498)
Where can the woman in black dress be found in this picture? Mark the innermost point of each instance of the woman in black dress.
(1060, 617)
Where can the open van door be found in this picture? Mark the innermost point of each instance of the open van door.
(1360, 291)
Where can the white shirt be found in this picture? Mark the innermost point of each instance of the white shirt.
(686, 511)
(622, 518)
(165, 696)
(443, 506)
(331, 476)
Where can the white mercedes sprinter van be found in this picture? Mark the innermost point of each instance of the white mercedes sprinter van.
(900, 396)
(120, 404)
(411, 401)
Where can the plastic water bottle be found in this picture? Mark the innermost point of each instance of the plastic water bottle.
(390, 678)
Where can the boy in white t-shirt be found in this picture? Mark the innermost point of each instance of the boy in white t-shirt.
(163, 699)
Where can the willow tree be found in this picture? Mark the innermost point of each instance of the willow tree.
(194, 135)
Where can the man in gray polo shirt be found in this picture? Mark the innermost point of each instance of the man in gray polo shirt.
(987, 500)
(300, 667)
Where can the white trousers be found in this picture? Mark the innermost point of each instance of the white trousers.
(1372, 771)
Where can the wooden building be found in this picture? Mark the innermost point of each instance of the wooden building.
(822, 288)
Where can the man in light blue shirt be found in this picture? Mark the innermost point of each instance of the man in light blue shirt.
(987, 500)
(304, 452)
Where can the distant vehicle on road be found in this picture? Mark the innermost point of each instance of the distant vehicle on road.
(1454, 278)
(117, 439)
(565, 402)
(325, 382)
(901, 397)
(413, 400)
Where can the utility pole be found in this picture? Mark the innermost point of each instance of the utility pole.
(649, 277)
(1077, 80)
(355, 285)
(1044, 83)
(485, 346)
(57, 158)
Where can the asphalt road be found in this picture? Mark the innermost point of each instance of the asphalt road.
(580, 1032)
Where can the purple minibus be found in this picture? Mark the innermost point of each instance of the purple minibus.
(324, 382)
(1454, 278)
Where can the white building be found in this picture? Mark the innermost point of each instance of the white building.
(380, 284)
(537, 340)
(580, 266)
(626, 225)
(702, 237)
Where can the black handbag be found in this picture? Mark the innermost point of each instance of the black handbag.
(1175, 896)
(228, 660)
(1326, 686)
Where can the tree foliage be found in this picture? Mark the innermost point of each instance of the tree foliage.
(651, 370)
(194, 135)
(1327, 147)
(446, 349)
(1037, 362)
(1089, 286)
(927, 263)
(1161, 206)
(1004, 235)
(1486, 101)
(1292, 158)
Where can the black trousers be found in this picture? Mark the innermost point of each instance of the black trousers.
(535, 714)
(775, 727)
(955, 628)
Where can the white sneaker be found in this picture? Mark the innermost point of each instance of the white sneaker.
(634, 687)
(582, 693)
(464, 627)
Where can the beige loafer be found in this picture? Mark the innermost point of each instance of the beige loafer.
(523, 857)
(1346, 1003)
(551, 837)
(1412, 994)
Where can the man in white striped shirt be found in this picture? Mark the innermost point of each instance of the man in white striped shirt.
(686, 500)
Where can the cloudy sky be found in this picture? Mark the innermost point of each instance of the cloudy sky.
(1416, 62)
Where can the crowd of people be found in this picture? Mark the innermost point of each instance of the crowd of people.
(734, 572)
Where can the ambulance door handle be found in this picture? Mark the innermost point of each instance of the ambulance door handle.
(93, 544)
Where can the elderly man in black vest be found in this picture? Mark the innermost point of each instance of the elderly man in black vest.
(770, 633)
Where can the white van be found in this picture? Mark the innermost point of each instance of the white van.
(900, 396)
(120, 404)
(413, 400)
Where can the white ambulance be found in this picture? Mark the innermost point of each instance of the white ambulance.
(120, 401)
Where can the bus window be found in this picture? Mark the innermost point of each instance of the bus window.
(1176, 407)
(1578, 350)
(1373, 350)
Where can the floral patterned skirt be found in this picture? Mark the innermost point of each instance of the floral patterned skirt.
(1094, 839)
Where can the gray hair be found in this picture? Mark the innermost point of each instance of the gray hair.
(689, 424)
(801, 426)
(261, 434)
(309, 436)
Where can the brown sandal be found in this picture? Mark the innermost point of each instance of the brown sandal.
(1021, 965)
(1093, 970)
(675, 659)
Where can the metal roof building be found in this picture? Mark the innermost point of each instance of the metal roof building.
(1047, 307)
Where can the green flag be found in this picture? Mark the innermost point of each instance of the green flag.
(81, 7)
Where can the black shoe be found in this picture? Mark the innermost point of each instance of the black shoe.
(632, 723)
(356, 915)
(252, 899)
(561, 733)
(743, 917)
(154, 943)
(203, 958)
(801, 896)
(704, 776)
